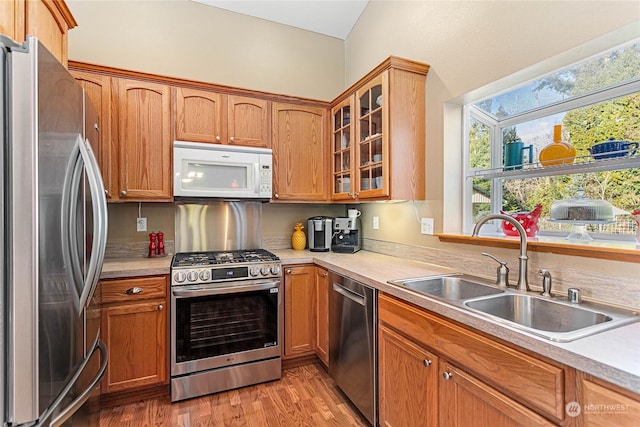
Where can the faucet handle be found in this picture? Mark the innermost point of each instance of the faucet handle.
(546, 282)
(502, 273)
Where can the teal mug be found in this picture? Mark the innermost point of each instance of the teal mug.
(514, 154)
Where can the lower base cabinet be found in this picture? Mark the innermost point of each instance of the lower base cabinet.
(134, 329)
(605, 405)
(466, 401)
(407, 382)
(322, 314)
(433, 372)
(299, 311)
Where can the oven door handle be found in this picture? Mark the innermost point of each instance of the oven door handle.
(207, 290)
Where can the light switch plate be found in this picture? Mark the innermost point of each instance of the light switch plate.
(376, 223)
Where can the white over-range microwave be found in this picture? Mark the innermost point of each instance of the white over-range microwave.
(221, 171)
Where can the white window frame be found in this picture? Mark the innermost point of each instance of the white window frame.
(496, 126)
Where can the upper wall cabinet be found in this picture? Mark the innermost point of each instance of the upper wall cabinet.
(378, 135)
(299, 153)
(142, 134)
(98, 90)
(48, 20)
(205, 116)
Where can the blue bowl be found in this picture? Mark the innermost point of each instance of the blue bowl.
(612, 148)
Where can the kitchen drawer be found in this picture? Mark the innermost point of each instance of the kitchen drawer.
(534, 382)
(134, 289)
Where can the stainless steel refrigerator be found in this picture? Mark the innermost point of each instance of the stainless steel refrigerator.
(54, 217)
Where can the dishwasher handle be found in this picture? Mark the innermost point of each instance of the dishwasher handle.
(348, 293)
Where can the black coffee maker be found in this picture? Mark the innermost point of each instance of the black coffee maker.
(347, 235)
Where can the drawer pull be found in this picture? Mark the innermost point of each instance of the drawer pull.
(160, 307)
(447, 375)
(133, 291)
(426, 362)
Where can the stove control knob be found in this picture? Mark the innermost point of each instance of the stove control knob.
(275, 270)
(254, 271)
(264, 270)
(192, 276)
(204, 275)
(179, 277)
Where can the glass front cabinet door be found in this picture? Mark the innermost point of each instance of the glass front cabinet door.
(372, 148)
(342, 156)
(360, 143)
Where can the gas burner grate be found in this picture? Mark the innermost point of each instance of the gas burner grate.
(188, 259)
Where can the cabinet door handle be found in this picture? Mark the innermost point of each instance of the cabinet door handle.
(133, 291)
(123, 193)
(325, 274)
(426, 362)
(288, 271)
(275, 196)
(218, 138)
(160, 307)
(447, 375)
(232, 139)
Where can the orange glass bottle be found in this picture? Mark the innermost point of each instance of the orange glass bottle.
(559, 152)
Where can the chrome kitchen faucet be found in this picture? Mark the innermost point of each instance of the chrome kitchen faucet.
(523, 284)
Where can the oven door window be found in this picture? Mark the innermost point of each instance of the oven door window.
(216, 325)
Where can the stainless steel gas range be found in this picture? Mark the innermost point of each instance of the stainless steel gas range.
(226, 321)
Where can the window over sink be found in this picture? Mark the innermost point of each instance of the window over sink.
(537, 144)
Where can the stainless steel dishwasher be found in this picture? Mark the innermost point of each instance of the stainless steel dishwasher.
(353, 342)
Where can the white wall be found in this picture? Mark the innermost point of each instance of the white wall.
(184, 39)
(470, 44)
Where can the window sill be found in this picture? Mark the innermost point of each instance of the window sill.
(623, 251)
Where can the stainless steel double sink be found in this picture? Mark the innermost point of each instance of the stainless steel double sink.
(552, 318)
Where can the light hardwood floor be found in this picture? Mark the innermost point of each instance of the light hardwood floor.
(305, 396)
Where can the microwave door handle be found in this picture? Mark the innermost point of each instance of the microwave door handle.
(99, 204)
(256, 170)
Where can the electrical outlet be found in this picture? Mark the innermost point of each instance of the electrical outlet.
(141, 224)
(376, 223)
(426, 225)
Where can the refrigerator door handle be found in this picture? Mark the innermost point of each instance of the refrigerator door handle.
(99, 221)
(67, 412)
(70, 253)
(86, 393)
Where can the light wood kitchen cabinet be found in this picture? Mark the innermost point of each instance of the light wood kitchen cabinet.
(378, 135)
(134, 329)
(466, 401)
(206, 116)
(98, 90)
(142, 132)
(48, 20)
(606, 405)
(300, 157)
(407, 382)
(488, 375)
(299, 310)
(322, 314)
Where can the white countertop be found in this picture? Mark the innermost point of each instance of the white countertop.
(612, 355)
